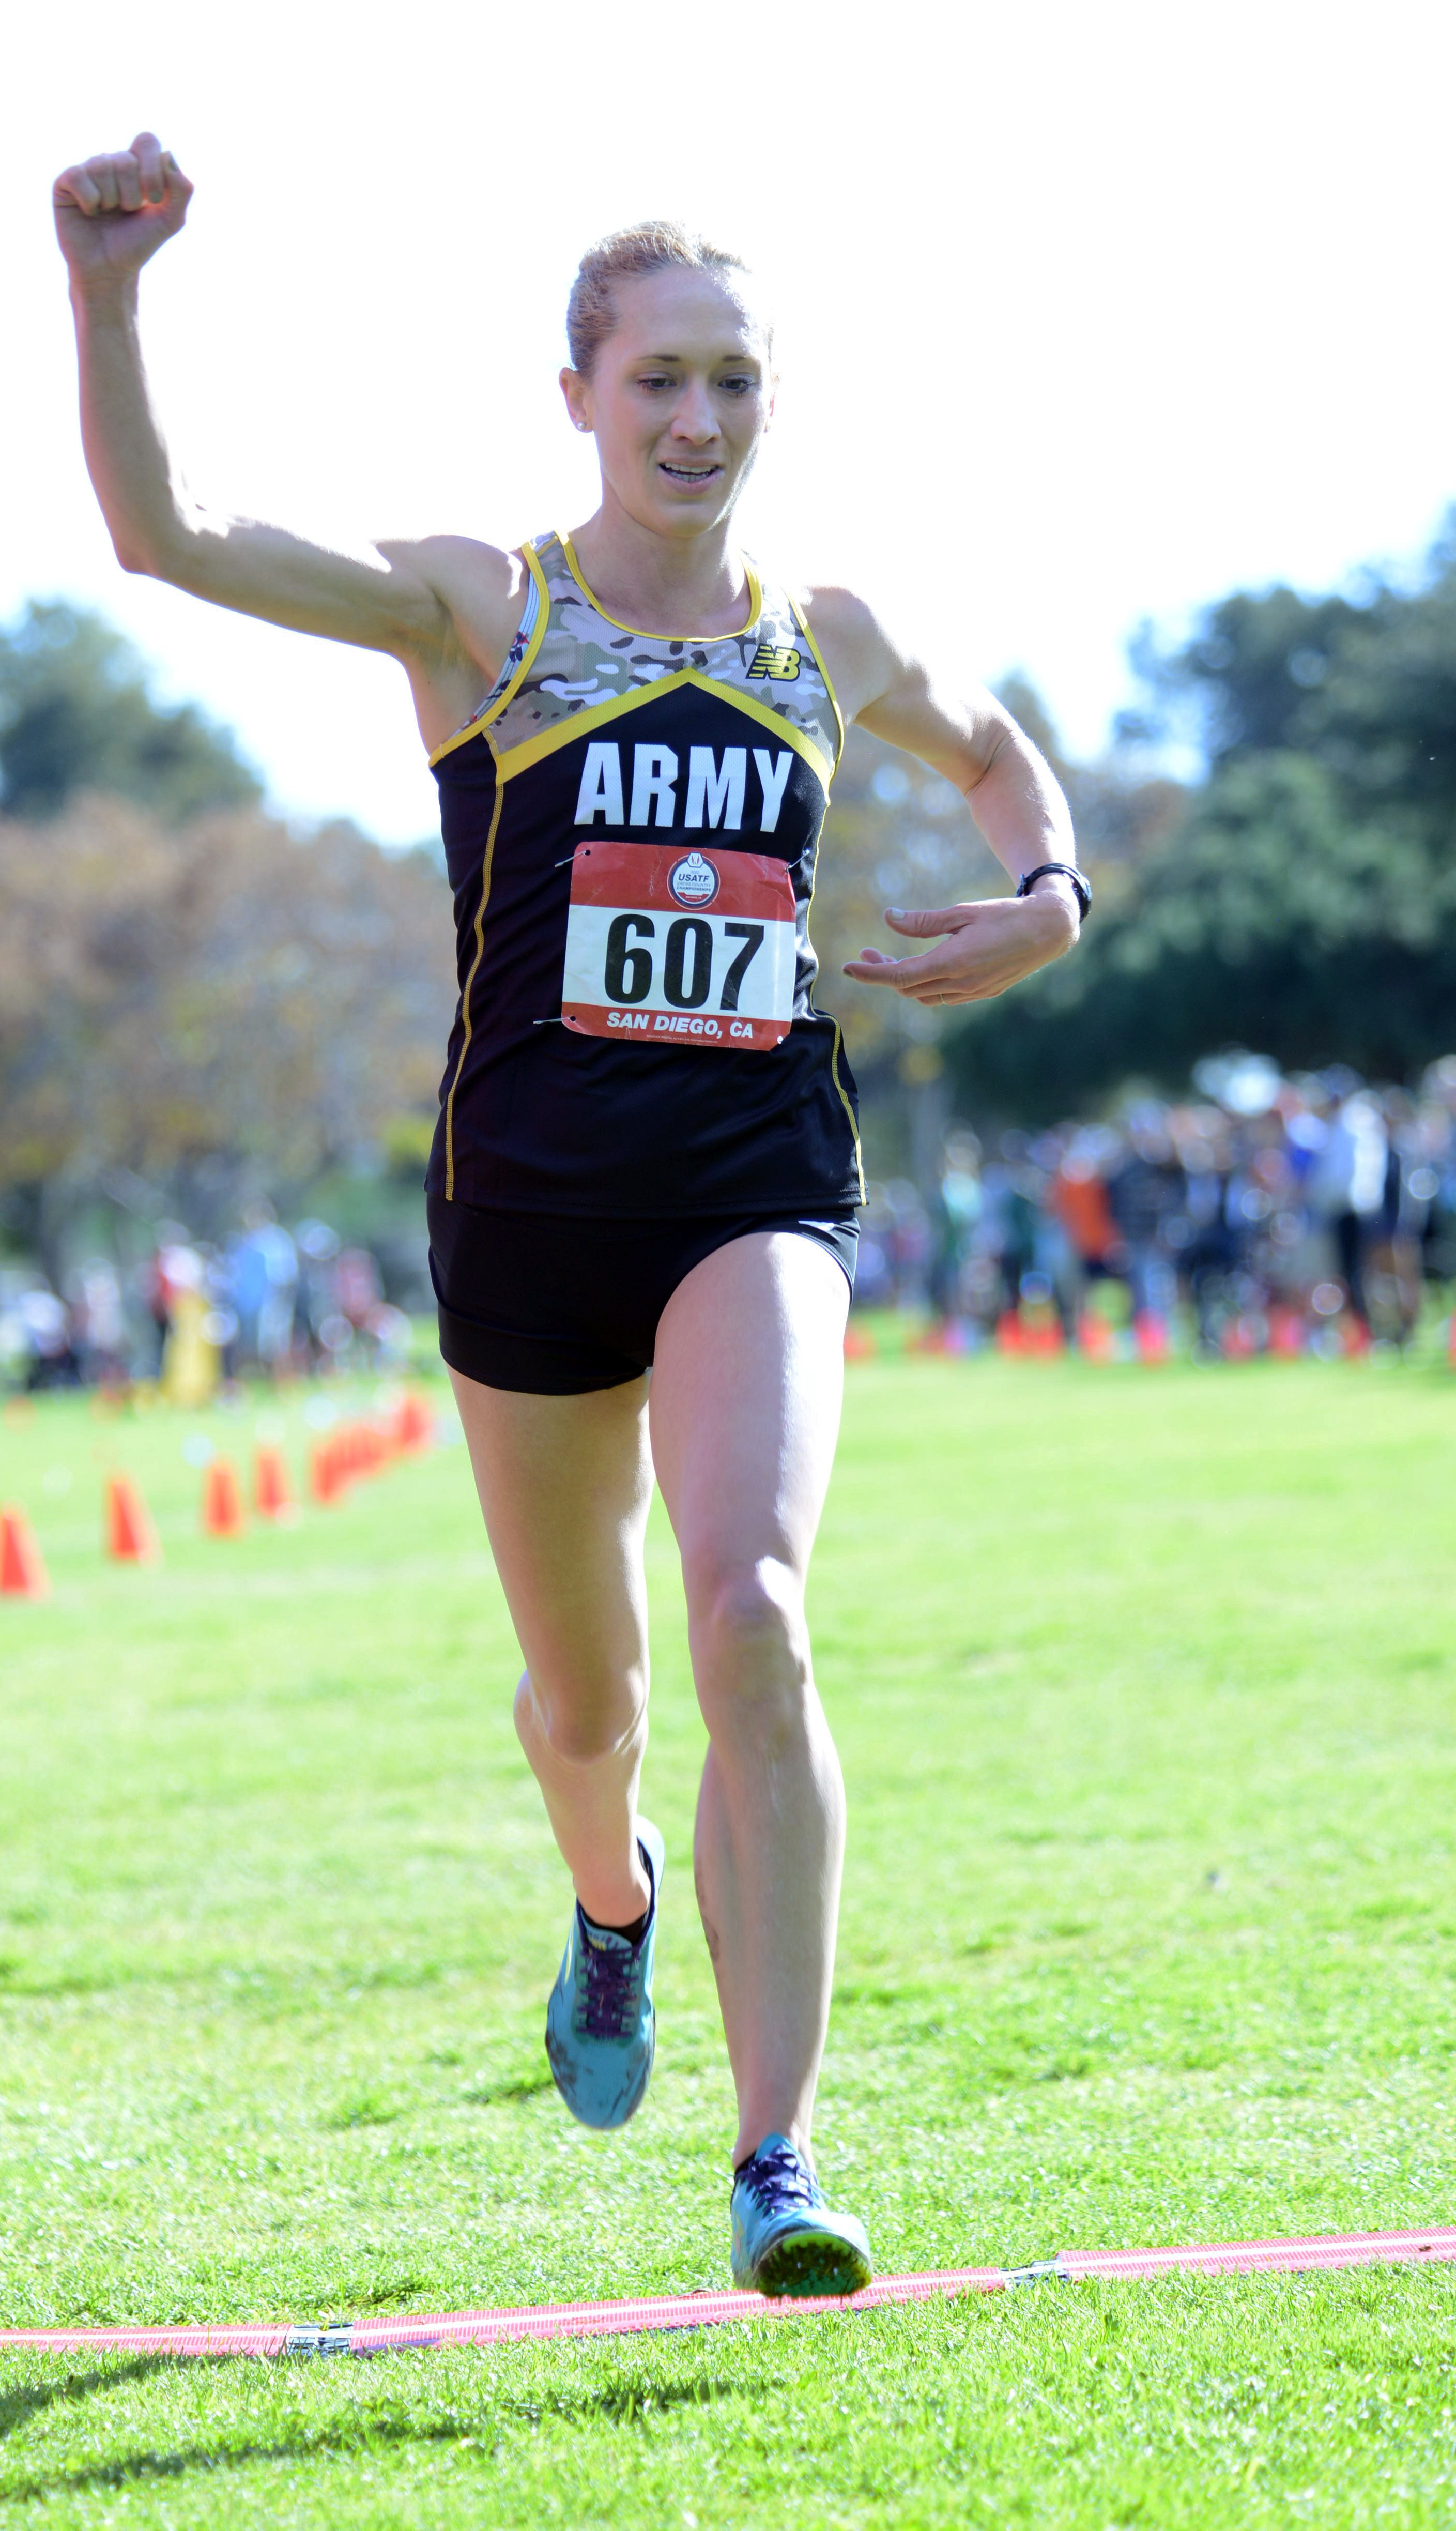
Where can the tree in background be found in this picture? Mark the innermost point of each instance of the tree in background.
(898, 834)
(193, 1001)
(1305, 902)
(193, 997)
(76, 715)
(1119, 813)
(209, 1010)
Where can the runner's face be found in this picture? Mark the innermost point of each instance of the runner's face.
(679, 398)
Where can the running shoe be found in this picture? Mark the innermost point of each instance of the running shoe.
(600, 2025)
(785, 2239)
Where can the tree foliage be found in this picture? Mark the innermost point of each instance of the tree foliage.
(76, 715)
(216, 1003)
(899, 834)
(1306, 903)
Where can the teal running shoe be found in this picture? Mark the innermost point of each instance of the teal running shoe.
(600, 2025)
(785, 2239)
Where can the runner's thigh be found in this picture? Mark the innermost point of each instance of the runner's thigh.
(564, 1484)
(745, 1395)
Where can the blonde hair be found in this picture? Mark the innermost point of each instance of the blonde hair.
(654, 245)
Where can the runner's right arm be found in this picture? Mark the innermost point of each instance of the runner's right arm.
(446, 607)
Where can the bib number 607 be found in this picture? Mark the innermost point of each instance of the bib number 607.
(667, 947)
(687, 963)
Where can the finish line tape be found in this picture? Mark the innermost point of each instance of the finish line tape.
(554, 2320)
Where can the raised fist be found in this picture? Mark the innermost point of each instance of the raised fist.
(114, 211)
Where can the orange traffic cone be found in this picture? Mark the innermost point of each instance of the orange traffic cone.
(387, 1434)
(1041, 1333)
(271, 1497)
(859, 1344)
(1151, 1335)
(414, 1423)
(325, 1476)
(927, 1340)
(1288, 1335)
(222, 1506)
(23, 1575)
(1009, 1333)
(129, 1536)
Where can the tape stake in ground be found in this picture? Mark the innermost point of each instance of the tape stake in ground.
(510, 2326)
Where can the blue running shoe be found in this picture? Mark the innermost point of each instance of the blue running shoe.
(600, 2025)
(785, 2239)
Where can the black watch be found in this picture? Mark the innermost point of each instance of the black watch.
(1059, 870)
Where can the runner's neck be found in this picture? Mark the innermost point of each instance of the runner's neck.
(696, 587)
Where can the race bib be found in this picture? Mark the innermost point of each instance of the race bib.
(666, 947)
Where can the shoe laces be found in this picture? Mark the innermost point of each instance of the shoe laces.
(780, 2179)
(609, 1988)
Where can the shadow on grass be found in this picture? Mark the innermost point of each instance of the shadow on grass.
(17, 2406)
(511, 2087)
(367, 2110)
(134, 2468)
(620, 2404)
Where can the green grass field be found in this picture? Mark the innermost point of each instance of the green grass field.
(1144, 1684)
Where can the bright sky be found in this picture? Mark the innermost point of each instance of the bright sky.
(1085, 314)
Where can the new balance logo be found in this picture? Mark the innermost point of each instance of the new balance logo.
(772, 660)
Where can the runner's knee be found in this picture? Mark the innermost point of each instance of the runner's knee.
(580, 1726)
(748, 1639)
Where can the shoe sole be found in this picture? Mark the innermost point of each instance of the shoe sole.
(805, 2264)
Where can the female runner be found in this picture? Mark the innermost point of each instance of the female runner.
(648, 1159)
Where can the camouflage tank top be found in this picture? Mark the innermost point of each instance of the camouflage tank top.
(632, 823)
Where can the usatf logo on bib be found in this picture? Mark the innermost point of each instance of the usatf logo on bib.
(773, 659)
(694, 881)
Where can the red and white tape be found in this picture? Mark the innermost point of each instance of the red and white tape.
(554, 2320)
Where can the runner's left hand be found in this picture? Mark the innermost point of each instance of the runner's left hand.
(985, 950)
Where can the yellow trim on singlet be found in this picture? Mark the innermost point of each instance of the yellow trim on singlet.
(802, 620)
(465, 1000)
(756, 603)
(844, 1101)
(529, 556)
(534, 751)
(492, 710)
(470, 729)
(844, 1098)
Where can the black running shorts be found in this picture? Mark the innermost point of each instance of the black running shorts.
(556, 1306)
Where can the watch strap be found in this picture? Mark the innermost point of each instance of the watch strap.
(1059, 870)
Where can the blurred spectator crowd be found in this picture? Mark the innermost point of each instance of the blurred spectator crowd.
(192, 1319)
(1265, 1214)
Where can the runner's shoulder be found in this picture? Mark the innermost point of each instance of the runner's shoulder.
(481, 590)
(480, 586)
(854, 641)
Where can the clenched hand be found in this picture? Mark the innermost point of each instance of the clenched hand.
(114, 211)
